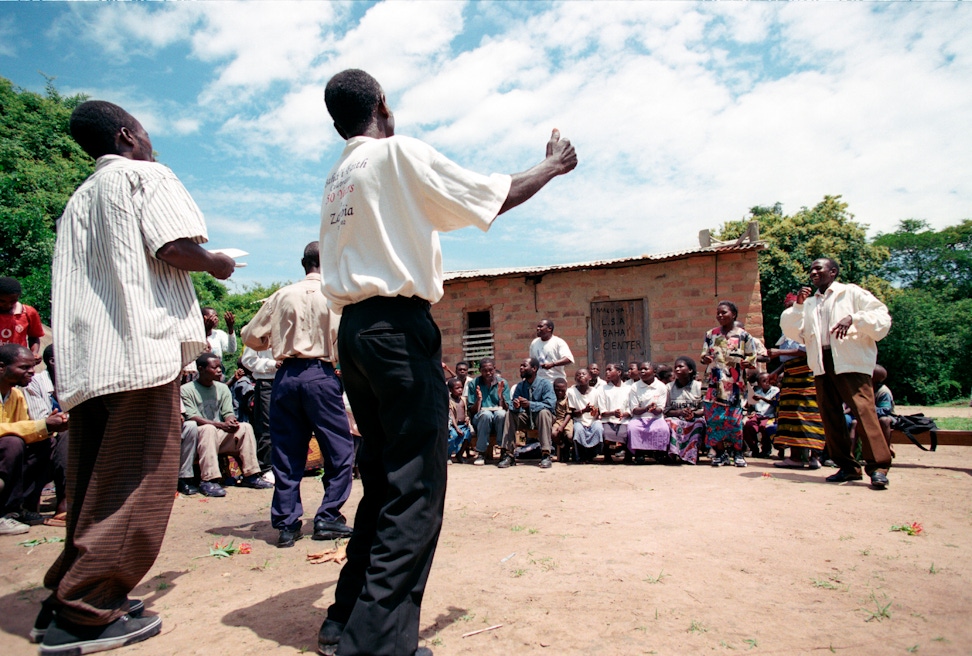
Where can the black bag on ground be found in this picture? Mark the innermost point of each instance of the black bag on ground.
(914, 425)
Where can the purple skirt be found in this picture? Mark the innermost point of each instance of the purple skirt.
(649, 433)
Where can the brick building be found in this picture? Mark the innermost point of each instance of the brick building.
(647, 307)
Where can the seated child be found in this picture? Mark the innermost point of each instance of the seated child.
(562, 433)
(762, 422)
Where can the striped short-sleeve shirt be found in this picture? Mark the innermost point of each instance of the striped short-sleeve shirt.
(123, 320)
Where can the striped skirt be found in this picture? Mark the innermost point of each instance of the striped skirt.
(798, 418)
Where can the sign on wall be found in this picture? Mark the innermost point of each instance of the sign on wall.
(619, 332)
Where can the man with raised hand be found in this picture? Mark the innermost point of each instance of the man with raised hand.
(841, 325)
(385, 201)
(126, 321)
(551, 351)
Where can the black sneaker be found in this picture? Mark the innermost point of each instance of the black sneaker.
(328, 530)
(288, 536)
(506, 461)
(329, 636)
(29, 517)
(46, 615)
(67, 639)
(212, 489)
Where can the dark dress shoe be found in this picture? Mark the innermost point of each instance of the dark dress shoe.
(288, 536)
(879, 480)
(328, 530)
(186, 487)
(329, 636)
(844, 475)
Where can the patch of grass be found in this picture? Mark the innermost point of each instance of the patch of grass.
(866, 552)
(941, 639)
(656, 579)
(545, 563)
(954, 423)
(517, 573)
(436, 641)
(823, 583)
(883, 610)
(533, 531)
(932, 569)
(726, 644)
(163, 585)
(912, 650)
(516, 528)
(844, 538)
(696, 627)
(752, 642)
(468, 617)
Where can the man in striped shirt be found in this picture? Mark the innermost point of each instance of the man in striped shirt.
(126, 321)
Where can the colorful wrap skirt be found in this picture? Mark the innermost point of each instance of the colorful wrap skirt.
(724, 424)
(798, 422)
(686, 437)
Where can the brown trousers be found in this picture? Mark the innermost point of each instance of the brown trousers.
(123, 461)
(856, 391)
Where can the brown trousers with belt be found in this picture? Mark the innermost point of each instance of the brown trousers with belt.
(123, 461)
(856, 391)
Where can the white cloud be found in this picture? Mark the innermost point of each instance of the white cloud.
(8, 34)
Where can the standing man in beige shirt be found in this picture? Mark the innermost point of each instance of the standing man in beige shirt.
(307, 396)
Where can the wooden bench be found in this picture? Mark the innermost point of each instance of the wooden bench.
(945, 437)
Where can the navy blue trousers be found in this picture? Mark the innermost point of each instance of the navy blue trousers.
(307, 398)
(391, 361)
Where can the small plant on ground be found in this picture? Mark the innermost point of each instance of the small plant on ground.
(656, 579)
(914, 528)
(752, 642)
(882, 611)
(697, 627)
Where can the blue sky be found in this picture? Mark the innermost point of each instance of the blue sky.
(684, 115)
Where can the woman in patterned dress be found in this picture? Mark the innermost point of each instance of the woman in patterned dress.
(684, 412)
(729, 351)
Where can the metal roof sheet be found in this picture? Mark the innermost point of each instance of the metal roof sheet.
(624, 261)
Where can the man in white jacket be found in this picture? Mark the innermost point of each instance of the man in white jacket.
(841, 325)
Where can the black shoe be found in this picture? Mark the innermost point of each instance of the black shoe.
(256, 481)
(844, 475)
(506, 461)
(288, 536)
(212, 489)
(879, 480)
(28, 517)
(422, 651)
(66, 639)
(186, 487)
(327, 530)
(545, 463)
(329, 636)
(46, 615)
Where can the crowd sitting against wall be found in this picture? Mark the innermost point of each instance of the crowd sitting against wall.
(733, 400)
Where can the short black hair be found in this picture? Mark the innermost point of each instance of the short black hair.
(48, 354)
(312, 256)
(352, 96)
(549, 322)
(689, 362)
(732, 308)
(832, 263)
(452, 381)
(95, 123)
(485, 360)
(10, 352)
(535, 363)
(203, 360)
(10, 285)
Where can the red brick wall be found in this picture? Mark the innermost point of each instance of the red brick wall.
(681, 297)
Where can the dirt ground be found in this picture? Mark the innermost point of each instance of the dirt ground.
(591, 560)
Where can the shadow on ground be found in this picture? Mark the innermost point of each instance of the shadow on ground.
(261, 530)
(289, 618)
(442, 621)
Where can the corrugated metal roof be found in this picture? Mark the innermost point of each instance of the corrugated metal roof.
(611, 264)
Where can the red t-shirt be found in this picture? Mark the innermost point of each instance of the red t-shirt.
(20, 324)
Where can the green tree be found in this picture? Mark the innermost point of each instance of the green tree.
(40, 167)
(794, 242)
(922, 258)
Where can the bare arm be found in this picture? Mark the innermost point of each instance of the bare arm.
(187, 255)
(560, 159)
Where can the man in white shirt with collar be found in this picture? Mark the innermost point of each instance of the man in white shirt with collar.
(385, 201)
(552, 352)
(841, 325)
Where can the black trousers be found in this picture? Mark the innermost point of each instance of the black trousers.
(23, 468)
(262, 391)
(391, 363)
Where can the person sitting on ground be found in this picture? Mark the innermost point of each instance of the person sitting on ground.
(760, 426)
(883, 403)
(552, 352)
(458, 421)
(562, 429)
(19, 323)
(532, 407)
(664, 373)
(585, 411)
(208, 403)
(615, 410)
(489, 400)
(595, 370)
(19, 472)
(648, 432)
(632, 375)
(684, 412)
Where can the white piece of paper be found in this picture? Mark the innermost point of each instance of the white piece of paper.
(231, 252)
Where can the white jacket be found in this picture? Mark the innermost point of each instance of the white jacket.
(855, 353)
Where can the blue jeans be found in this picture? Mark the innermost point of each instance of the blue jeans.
(489, 421)
(456, 438)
